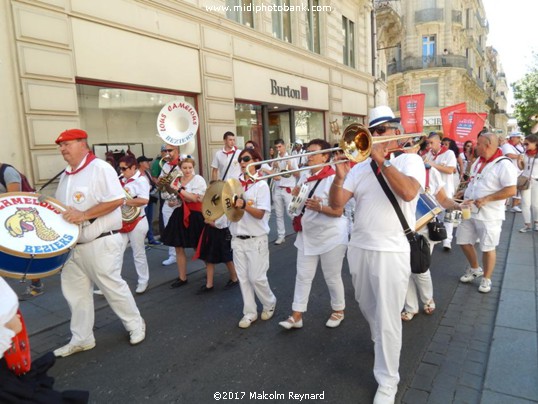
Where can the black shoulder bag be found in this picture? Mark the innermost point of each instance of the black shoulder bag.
(420, 249)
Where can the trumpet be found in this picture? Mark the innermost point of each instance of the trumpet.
(356, 144)
(168, 178)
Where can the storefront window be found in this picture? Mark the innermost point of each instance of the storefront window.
(248, 123)
(126, 118)
(309, 125)
(349, 119)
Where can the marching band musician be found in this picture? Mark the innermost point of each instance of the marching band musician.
(90, 189)
(283, 186)
(379, 252)
(444, 160)
(170, 199)
(224, 164)
(186, 223)
(493, 180)
(250, 245)
(420, 285)
(135, 232)
(323, 237)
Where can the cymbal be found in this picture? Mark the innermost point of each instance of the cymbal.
(232, 190)
(212, 207)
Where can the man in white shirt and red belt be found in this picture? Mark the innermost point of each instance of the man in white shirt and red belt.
(225, 165)
(90, 189)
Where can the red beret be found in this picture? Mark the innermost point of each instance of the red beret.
(71, 134)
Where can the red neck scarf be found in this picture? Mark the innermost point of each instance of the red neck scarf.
(531, 153)
(89, 158)
(246, 183)
(229, 152)
(483, 162)
(442, 150)
(323, 173)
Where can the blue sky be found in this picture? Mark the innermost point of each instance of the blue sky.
(513, 33)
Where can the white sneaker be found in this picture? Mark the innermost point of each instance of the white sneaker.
(267, 314)
(525, 229)
(138, 335)
(485, 285)
(245, 322)
(169, 261)
(471, 274)
(141, 288)
(516, 209)
(280, 240)
(71, 349)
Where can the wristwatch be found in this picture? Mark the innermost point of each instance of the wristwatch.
(386, 164)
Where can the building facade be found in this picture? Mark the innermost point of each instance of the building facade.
(293, 70)
(441, 52)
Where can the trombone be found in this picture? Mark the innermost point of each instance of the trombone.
(356, 144)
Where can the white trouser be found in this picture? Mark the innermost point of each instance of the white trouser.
(167, 212)
(281, 200)
(449, 226)
(98, 262)
(251, 260)
(421, 283)
(331, 266)
(529, 202)
(137, 237)
(380, 280)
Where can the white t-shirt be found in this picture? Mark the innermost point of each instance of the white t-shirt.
(435, 181)
(321, 233)
(446, 159)
(94, 184)
(138, 187)
(509, 148)
(196, 186)
(498, 174)
(260, 196)
(288, 165)
(531, 163)
(221, 161)
(10, 176)
(377, 226)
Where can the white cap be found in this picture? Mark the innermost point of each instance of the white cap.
(299, 141)
(516, 134)
(381, 114)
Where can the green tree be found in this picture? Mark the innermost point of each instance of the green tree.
(526, 98)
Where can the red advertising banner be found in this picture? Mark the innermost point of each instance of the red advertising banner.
(446, 116)
(466, 126)
(412, 112)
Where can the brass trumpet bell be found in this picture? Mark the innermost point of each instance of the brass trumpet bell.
(220, 199)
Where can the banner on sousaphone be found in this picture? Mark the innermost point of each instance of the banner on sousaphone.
(35, 240)
(177, 123)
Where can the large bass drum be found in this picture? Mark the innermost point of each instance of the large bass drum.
(35, 240)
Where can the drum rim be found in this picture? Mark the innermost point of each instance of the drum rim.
(19, 254)
(21, 275)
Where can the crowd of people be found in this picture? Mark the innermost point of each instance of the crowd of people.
(113, 213)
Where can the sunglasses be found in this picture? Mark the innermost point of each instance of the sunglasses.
(383, 129)
(124, 168)
(245, 159)
(168, 150)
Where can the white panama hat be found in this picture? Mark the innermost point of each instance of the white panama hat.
(381, 114)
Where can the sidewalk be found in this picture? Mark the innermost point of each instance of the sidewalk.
(485, 348)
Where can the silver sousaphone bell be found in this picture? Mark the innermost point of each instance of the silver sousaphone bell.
(177, 123)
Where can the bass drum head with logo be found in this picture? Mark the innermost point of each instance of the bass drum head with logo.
(35, 240)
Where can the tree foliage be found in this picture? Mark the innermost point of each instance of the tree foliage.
(526, 98)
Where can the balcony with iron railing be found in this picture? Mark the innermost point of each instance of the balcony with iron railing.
(429, 15)
(426, 62)
(388, 5)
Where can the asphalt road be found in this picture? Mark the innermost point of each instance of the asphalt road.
(195, 352)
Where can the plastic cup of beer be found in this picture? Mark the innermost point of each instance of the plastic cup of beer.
(465, 212)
